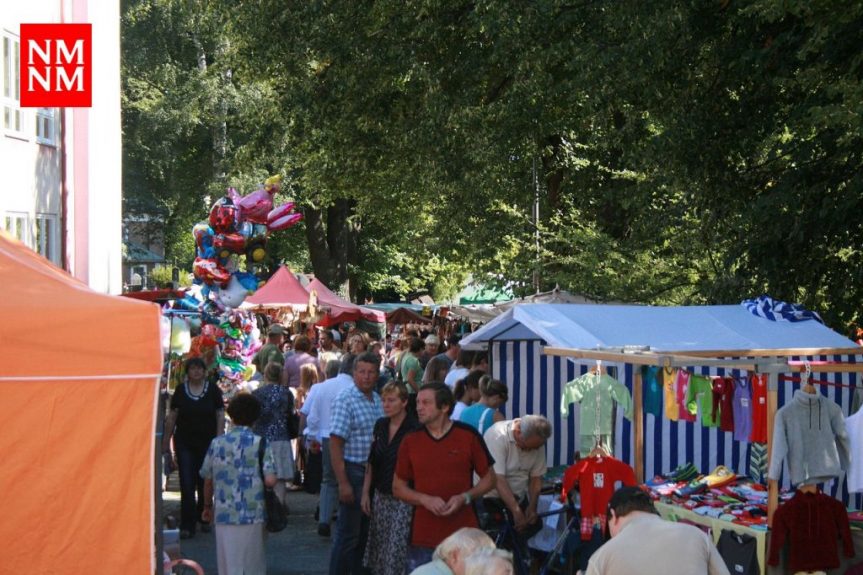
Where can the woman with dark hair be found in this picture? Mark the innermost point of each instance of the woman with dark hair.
(390, 525)
(436, 369)
(485, 413)
(277, 402)
(235, 472)
(197, 415)
(466, 393)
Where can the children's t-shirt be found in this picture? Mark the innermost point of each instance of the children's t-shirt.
(700, 397)
(759, 408)
(742, 408)
(682, 385)
(652, 390)
(726, 419)
(669, 377)
(596, 478)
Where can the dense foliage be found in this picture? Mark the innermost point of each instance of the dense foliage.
(689, 152)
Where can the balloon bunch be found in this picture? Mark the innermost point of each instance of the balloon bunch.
(237, 226)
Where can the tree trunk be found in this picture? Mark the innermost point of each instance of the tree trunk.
(332, 235)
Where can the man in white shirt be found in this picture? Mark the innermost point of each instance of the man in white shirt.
(460, 368)
(317, 410)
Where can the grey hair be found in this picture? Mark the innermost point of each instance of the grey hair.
(347, 365)
(332, 368)
(489, 562)
(463, 542)
(535, 426)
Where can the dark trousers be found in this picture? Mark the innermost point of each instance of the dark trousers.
(189, 461)
(352, 528)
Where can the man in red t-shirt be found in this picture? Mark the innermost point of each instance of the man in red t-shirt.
(440, 460)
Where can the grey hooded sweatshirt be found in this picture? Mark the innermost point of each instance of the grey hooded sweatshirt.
(809, 433)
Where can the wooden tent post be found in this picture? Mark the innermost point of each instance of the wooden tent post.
(772, 404)
(638, 420)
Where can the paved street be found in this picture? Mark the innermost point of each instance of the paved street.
(298, 550)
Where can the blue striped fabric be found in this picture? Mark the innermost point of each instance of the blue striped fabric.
(536, 383)
(775, 310)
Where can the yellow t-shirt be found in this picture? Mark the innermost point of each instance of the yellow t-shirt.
(671, 406)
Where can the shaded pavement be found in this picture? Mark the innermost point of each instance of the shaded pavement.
(298, 550)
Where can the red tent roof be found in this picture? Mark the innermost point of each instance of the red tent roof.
(341, 309)
(282, 290)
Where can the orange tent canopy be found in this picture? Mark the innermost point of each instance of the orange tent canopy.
(79, 389)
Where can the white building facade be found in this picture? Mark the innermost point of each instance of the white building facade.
(61, 167)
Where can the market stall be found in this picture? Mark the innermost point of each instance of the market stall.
(80, 388)
(340, 310)
(534, 348)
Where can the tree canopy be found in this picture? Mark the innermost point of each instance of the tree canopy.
(694, 152)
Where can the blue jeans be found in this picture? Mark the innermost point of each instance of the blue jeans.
(352, 528)
(189, 461)
(329, 498)
(417, 557)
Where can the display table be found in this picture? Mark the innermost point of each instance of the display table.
(675, 513)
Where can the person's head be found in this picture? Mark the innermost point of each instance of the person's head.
(494, 391)
(436, 369)
(357, 344)
(332, 368)
(366, 371)
(287, 346)
(480, 361)
(376, 348)
(531, 432)
(195, 369)
(326, 338)
(465, 357)
(623, 503)
(394, 397)
(432, 344)
(453, 346)
(308, 376)
(467, 388)
(244, 409)
(487, 562)
(457, 547)
(347, 364)
(434, 401)
(273, 372)
(276, 335)
(302, 344)
(416, 345)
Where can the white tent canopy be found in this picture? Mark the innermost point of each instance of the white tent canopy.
(725, 328)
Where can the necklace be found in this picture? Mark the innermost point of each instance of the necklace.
(196, 396)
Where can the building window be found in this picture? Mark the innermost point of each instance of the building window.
(46, 237)
(13, 120)
(17, 224)
(45, 132)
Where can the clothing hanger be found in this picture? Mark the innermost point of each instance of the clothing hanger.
(599, 450)
(598, 369)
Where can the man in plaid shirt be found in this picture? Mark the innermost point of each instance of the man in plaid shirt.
(355, 411)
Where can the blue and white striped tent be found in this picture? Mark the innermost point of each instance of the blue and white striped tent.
(516, 338)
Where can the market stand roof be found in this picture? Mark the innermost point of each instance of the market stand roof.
(720, 329)
(341, 310)
(283, 289)
(80, 385)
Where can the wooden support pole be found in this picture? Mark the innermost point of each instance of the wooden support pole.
(772, 484)
(638, 421)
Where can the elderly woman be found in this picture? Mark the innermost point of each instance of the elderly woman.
(197, 415)
(235, 473)
(389, 529)
(277, 402)
(450, 556)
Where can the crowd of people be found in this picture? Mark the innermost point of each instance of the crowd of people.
(398, 491)
(414, 452)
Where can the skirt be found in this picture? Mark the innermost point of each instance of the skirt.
(389, 534)
(283, 453)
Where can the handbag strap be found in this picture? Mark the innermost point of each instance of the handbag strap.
(261, 446)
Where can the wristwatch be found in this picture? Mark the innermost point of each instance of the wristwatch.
(467, 498)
